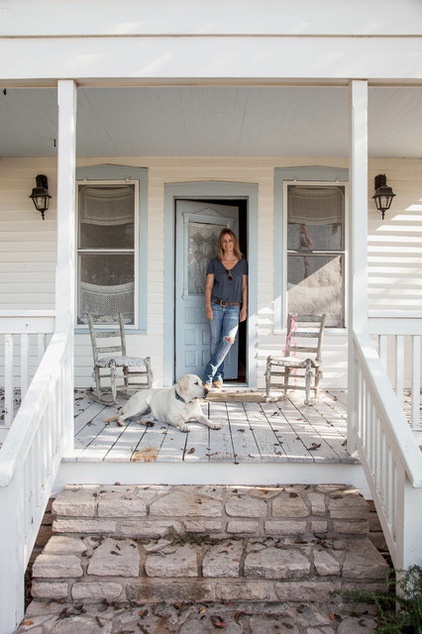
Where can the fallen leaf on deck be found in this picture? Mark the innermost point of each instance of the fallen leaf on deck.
(314, 446)
(149, 454)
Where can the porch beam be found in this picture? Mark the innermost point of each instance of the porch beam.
(212, 58)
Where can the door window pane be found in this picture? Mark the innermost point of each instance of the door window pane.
(203, 243)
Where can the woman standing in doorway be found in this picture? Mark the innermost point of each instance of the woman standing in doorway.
(226, 299)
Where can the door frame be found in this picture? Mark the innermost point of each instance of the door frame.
(216, 190)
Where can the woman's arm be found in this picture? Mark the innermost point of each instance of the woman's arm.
(209, 284)
(244, 307)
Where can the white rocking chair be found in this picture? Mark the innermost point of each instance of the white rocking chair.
(111, 364)
(300, 366)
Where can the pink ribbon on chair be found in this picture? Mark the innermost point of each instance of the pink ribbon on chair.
(292, 329)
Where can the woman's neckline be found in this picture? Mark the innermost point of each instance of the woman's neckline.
(234, 261)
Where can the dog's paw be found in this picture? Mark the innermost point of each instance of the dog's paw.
(214, 425)
(121, 423)
(183, 427)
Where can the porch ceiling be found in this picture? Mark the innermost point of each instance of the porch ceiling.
(308, 121)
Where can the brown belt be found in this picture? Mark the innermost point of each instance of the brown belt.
(221, 302)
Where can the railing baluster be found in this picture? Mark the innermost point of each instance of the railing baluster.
(383, 350)
(399, 373)
(42, 345)
(416, 383)
(8, 379)
(24, 363)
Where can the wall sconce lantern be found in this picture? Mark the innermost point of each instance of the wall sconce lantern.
(40, 196)
(383, 195)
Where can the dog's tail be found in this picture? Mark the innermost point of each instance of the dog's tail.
(112, 419)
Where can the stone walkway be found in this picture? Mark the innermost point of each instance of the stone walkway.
(193, 559)
(202, 618)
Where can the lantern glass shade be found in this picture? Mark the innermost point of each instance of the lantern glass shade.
(40, 196)
(383, 195)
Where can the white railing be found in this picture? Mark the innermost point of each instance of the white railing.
(388, 450)
(23, 341)
(29, 460)
(397, 336)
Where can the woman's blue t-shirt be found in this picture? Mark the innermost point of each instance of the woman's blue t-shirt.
(229, 290)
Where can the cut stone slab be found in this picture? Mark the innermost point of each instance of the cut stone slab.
(178, 561)
(363, 561)
(118, 558)
(276, 563)
(223, 560)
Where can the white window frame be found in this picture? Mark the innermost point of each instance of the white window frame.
(134, 250)
(343, 251)
(109, 174)
(305, 175)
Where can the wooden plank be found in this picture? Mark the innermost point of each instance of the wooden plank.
(99, 444)
(88, 422)
(197, 445)
(93, 444)
(270, 449)
(150, 440)
(326, 440)
(121, 442)
(221, 445)
(287, 436)
(244, 444)
(85, 413)
(337, 396)
(300, 430)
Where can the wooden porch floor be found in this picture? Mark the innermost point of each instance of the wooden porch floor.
(253, 431)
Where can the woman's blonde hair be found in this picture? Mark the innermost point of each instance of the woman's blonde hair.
(237, 251)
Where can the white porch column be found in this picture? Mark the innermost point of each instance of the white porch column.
(66, 163)
(358, 212)
(358, 237)
(66, 224)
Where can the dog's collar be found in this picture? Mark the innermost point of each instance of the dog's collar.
(180, 398)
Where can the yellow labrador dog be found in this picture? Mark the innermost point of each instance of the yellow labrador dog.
(175, 405)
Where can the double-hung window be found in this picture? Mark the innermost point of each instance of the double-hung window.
(316, 250)
(106, 250)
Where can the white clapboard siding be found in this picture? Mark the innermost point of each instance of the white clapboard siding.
(28, 249)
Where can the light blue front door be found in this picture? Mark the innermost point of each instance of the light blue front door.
(198, 225)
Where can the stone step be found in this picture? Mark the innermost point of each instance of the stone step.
(136, 545)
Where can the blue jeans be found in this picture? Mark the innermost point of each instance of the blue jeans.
(223, 331)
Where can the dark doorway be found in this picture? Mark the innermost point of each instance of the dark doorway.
(242, 204)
